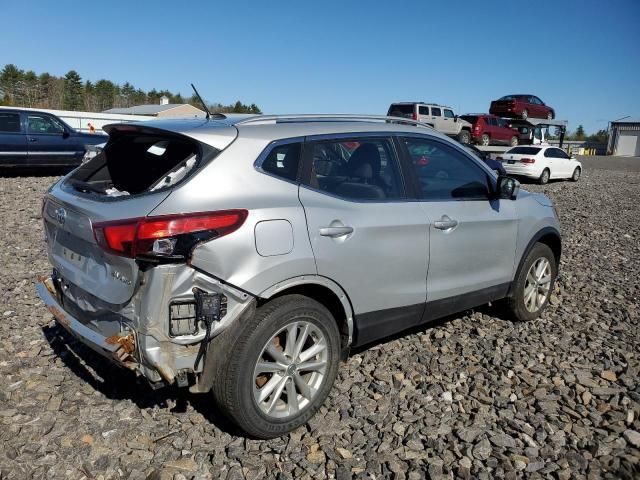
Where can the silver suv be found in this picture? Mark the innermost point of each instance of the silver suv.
(440, 117)
(245, 256)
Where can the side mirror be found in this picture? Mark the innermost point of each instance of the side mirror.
(455, 118)
(65, 133)
(507, 188)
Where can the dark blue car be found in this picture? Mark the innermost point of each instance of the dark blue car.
(31, 138)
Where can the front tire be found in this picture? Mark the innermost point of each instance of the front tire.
(514, 141)
(576, 174)
(279, 367)
(534, 284)
(550, 116)
(485, 140)
(544, 177)
(525, 114)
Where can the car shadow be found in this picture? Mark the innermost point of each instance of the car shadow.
(118, 383)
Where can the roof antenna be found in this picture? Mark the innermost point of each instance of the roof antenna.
(204, 105)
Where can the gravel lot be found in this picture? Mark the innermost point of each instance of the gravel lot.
(475, 396)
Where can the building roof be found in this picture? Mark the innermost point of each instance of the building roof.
(628, 120)
(146, 109)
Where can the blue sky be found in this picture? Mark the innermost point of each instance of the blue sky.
(581, 57)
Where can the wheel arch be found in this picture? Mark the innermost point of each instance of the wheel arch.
(549, 236)
(324, 291)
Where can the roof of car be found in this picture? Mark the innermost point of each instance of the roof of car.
(277, 127)
(421, 103)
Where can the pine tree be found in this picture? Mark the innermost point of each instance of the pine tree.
(73, 99)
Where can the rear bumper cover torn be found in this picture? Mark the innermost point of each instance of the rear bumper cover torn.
(119, 349)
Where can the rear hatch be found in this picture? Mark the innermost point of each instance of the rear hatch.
(134, 173)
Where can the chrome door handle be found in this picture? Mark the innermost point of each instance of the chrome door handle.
(335, 231)
(445, 223)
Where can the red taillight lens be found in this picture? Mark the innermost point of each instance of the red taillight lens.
(414, 116)
(528, 160)
(136, 236)
(499, 158)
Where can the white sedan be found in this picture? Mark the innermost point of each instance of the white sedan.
(540, 163)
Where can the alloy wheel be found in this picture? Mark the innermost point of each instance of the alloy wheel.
(537, 284)
(290, 369)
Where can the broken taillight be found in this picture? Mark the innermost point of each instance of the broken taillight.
(170, 236)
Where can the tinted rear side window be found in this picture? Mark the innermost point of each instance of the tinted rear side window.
(9, 123)
(283, 161)
(436, 112)
(524, 150)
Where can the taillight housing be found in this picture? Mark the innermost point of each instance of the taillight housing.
(167, 237)
(528, 160)
(499, 159)
(414, 116)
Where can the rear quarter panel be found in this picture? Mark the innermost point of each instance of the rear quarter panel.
(230, 182)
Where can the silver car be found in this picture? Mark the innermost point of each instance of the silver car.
(245, 256)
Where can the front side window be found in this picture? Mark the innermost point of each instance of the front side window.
(448, 113)
(43, 124)
(444, 173)
(356, 169)
(283, 161)
(436, 112)
(9, 123)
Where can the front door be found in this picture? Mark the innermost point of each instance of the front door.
(449, 122)
(13, 142)
(364, 234)
(472, 238)
(49, 142)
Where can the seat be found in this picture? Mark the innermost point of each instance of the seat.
(363, 170)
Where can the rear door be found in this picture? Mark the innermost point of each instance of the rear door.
(436, 119)
(472, 238)
(49, 142)
(424, 115)
(364, 233)
(13, 141)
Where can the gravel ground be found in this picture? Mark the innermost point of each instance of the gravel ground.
(475, 396)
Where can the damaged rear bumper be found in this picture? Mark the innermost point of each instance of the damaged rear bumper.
(118, 348)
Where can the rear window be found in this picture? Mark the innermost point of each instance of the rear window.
(524, 150)
(470, 118)
(9, 123)
(404, 110)
(136, 163)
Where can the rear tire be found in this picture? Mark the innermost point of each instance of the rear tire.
(544, 177)
(525, 114)
(464, 137)
(514, 141)
(534, 284)
(550, 116)
(576, 174)
(485, 140)
(265, 383)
